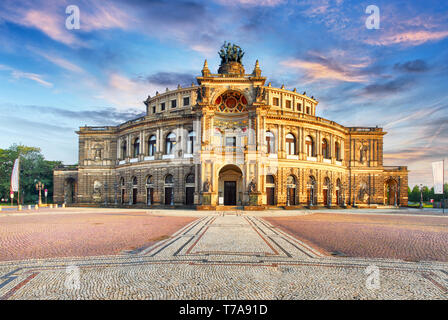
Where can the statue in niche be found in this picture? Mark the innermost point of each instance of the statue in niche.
(96, 195)
(98, 153)
(206, 187)
(363, 154)
(260, 94)
(363, 193)
(252, 186)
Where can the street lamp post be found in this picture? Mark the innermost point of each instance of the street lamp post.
(39, 187)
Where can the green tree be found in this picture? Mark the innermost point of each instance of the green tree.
(414, 195)
(33, 168)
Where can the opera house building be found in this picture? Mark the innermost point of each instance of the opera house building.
(231, 141)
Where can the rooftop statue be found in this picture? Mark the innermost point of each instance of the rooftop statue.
(230, 52)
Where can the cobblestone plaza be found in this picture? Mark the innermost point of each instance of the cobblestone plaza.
(217, 255)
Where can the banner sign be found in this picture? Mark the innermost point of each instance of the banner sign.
(437, 172)
(15, 177)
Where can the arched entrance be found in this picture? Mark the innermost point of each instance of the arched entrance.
(189, 189)
(230, 185)
(311, 191)
(326, 191)
(134, 190)
(169, 190)
(270, 190)
(69, 191)
(291, 185)
(391, 192)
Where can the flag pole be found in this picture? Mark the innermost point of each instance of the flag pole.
(443, 186)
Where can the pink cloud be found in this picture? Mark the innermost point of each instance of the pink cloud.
(50, 24)
(317, 70)
(412, 38)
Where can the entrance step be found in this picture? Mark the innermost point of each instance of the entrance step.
(229, 208)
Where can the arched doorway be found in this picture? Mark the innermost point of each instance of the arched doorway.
(291, 186)
(391, 192)
(230, 185)
(311, 190)
(326, 191)
(69, 191)
(270, 190)
(169, 190)
(189, 189)
(149, 190)
(134, 190)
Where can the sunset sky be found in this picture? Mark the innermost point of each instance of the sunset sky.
(53, 80)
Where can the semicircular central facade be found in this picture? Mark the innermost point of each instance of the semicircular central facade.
(231, 140)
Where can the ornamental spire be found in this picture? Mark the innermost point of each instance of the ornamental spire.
(257, 70)
(205, 69)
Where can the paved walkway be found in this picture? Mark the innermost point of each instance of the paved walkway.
(223, 256)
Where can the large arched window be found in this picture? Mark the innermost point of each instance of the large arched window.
(270, 142)
(124, 149)
(231, 102)
(170, 143)
(189, 178)
(190, 142)
(337, 151)
(169, 179)
(152, 145)
(290, 144)
(309, 146)
(325, 149)
(136, 148)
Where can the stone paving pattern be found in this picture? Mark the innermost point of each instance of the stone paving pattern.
(201, 261)
(411, 238)
(61, 235)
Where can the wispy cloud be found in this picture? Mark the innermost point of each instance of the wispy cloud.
(18, 74)
(336, 68)
(410, 38)
(263, 3)
(31, 76)
(61, 62)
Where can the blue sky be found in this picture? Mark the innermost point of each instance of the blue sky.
(53, 80)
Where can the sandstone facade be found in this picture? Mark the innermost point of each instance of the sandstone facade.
(231, 140)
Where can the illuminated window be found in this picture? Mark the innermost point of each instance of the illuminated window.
(290, 144)
(170, 143)
(270, 142)
(309, 146)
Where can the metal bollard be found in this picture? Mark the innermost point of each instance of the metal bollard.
(36, 207)
(51, 206)
(63, 205)
(29, 207)
(20, 207)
